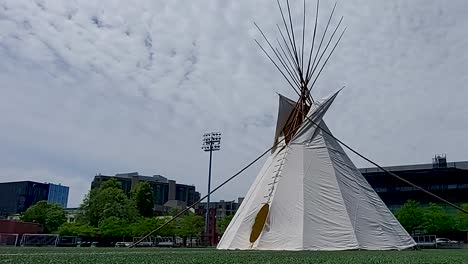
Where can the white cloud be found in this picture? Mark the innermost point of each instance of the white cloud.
(113, 86)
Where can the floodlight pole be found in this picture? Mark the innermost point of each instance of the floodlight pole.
(211, 142)
(207, 222)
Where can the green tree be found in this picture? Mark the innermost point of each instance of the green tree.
(111, 183)
(142, 196)
(462, 219)
(51, 216)
(437, 221)
(76, 229)
(411, 216)
(223, 223)
(108, 200)
(191, 225)
(145, 225)
(169, 229)
(173, 212)
(114, 227)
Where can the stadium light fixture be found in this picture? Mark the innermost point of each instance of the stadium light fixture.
(210, 142)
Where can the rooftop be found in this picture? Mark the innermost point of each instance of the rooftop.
(35, 182)
(428, 166)
(130, 175)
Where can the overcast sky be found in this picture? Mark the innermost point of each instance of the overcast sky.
(120, 86)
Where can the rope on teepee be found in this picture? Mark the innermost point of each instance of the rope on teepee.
(214, 190)
(387, 171)
(204, 197)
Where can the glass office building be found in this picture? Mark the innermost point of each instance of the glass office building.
(58, 194)
(17, 197)
(448, 180)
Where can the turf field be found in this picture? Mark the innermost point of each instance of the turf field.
(141, 256)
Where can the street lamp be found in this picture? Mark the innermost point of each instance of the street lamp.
(211, 142)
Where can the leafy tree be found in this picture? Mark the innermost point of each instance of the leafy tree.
(437, 221)
(111, 183)
(191, 225)
(83, 215)
(142, 196)
(36, 213)
(74, 229)
(169, 229)
(223, 223)
(145, 225)
(108, 200)
(173, 212)
(114, 227)
(411, 216)
(462, 219)
(51, 216)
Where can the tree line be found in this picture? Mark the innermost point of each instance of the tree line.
(108, 213)
(432, 219)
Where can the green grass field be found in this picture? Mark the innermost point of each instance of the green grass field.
(141, 256)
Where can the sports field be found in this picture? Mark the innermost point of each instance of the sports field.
(123, 255)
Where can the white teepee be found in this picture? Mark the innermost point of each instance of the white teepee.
(310, 196)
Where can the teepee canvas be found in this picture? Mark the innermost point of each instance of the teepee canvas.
(312, 197)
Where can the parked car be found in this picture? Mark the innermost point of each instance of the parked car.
(445, 240)
(83, 244)
(447, 243)
(123, 244)
(145, 244)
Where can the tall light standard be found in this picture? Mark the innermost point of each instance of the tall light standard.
(211, 142)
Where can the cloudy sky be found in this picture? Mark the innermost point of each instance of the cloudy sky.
(119, 86)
